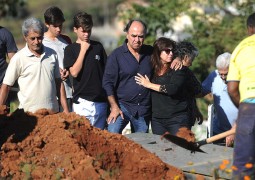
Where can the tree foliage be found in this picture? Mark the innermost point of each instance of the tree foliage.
(216, 28)
(156, 14)
(217, 31)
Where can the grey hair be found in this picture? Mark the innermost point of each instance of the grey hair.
(223, 60)
(32, 24)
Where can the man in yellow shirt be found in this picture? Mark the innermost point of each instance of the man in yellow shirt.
(241, 88)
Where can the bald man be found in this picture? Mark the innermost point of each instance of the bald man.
(128, 101)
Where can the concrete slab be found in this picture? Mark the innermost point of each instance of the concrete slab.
(206, 164)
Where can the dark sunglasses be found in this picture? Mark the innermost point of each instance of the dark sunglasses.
(168, 50)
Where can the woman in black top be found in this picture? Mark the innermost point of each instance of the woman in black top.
(170, 89)
(187, 52)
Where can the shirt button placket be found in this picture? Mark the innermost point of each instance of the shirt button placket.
(139, 95)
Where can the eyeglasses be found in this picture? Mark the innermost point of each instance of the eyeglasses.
(223, 74)
(168, 50)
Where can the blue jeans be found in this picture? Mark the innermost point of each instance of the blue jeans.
(140, 124)
(160, 126)
(244, 145)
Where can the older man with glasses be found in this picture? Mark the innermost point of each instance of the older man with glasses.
(225, 112)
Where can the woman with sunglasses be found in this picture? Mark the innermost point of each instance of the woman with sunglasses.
(170, 89)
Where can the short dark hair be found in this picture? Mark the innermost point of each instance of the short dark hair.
(186, 48)
(84, 20)
(251, 20)
(53, 15)
(133, 20)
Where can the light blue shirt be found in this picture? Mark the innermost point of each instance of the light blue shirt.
(225, 111)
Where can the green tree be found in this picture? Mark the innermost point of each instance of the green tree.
(157, 14)
(215, 27)
(215, 30)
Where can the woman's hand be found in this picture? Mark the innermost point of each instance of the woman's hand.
(145, 82)
(176, 64)
(142, 80)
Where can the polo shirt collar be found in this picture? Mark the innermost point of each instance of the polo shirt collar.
(125, 47)
(30, 54)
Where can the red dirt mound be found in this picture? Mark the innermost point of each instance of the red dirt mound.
(65, 146)
(187, 134)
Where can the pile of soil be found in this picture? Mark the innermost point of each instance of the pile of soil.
(44, 145)
(186, 134)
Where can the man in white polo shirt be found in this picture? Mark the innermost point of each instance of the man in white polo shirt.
(37, 71)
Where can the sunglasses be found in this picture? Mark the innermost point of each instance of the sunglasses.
(168, 50)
